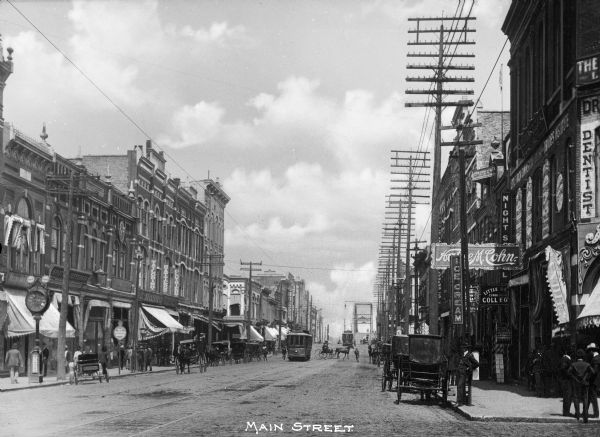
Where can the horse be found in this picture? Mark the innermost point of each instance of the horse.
(356, 354)
(342, 350)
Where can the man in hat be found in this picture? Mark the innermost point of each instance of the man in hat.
(581, 373)
(566, 385)
(595, 382)
(464, 369)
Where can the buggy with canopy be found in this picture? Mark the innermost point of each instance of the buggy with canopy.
(424, 369)
(392, 354)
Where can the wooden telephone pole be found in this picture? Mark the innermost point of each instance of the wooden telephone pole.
(410, 176)
(251, 267)
(442, 64)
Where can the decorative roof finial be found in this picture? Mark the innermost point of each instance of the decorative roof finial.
(44, 134)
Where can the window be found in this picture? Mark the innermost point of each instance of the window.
(55, 241)
(115, 259)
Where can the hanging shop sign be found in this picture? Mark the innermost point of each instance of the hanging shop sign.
(481, 256)
(590, 121)
(483, 173)
(474, 293)
(588, 70)
(457, 296)
(506, 218)
(496, 295)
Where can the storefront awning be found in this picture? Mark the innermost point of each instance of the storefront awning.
(254, 335)
(204, 319)
(21, 322)
(590, 315)
(161, 314)
(519, 280)
(271, 334)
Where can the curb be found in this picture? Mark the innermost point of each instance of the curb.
(56, 383)
(522, 419)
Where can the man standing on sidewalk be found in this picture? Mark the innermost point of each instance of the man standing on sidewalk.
(595, 382)
(466, 364)
(566, 385)
(581, 372)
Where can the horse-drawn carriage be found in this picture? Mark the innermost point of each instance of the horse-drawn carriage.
(239, 351)
(375, 349)
(190, 353)
(87, 365)
(219, 353)
(424, 369)
(391, 355)
(254, 350)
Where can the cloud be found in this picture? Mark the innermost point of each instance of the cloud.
(197, 124)
(219, 33)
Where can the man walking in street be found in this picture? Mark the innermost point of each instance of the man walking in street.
(581, 373)
(465, 367)
(13, 361)
(148, 359)
(595, 382)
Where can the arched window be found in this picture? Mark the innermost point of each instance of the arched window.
(20, 238)
(122, 264)
(55, 241)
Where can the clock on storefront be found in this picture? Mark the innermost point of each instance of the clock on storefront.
(37, 299)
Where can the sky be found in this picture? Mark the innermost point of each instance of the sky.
(294, 106)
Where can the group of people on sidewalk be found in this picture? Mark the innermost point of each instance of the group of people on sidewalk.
(580, 380)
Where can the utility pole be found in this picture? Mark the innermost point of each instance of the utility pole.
(62, 321)
(411, 173)
(439, 78)
(251, 267)
(211, 286)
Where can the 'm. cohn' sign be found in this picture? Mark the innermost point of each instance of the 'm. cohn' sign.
(481, 256)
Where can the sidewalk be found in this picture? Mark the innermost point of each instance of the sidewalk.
(511, 403)
(50, 380)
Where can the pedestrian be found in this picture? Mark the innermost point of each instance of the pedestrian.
(14, 360)
(581, 373)
(77, 354)
(148, 358)
(121, 355)
(104, 359)
(129, 357)
(529, 370)
(465, 366)
(45, 358)
(566, 384)
(140, 358)
(67, 359)
(537, 369)
(595, 382)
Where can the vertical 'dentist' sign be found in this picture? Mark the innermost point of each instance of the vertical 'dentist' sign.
(457, 296)
(590, 123)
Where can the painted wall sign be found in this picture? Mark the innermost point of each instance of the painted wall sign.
(496, 295)
(588, 70)
(506, 218)
(481, 256)
(457, 297)
(590, 121)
